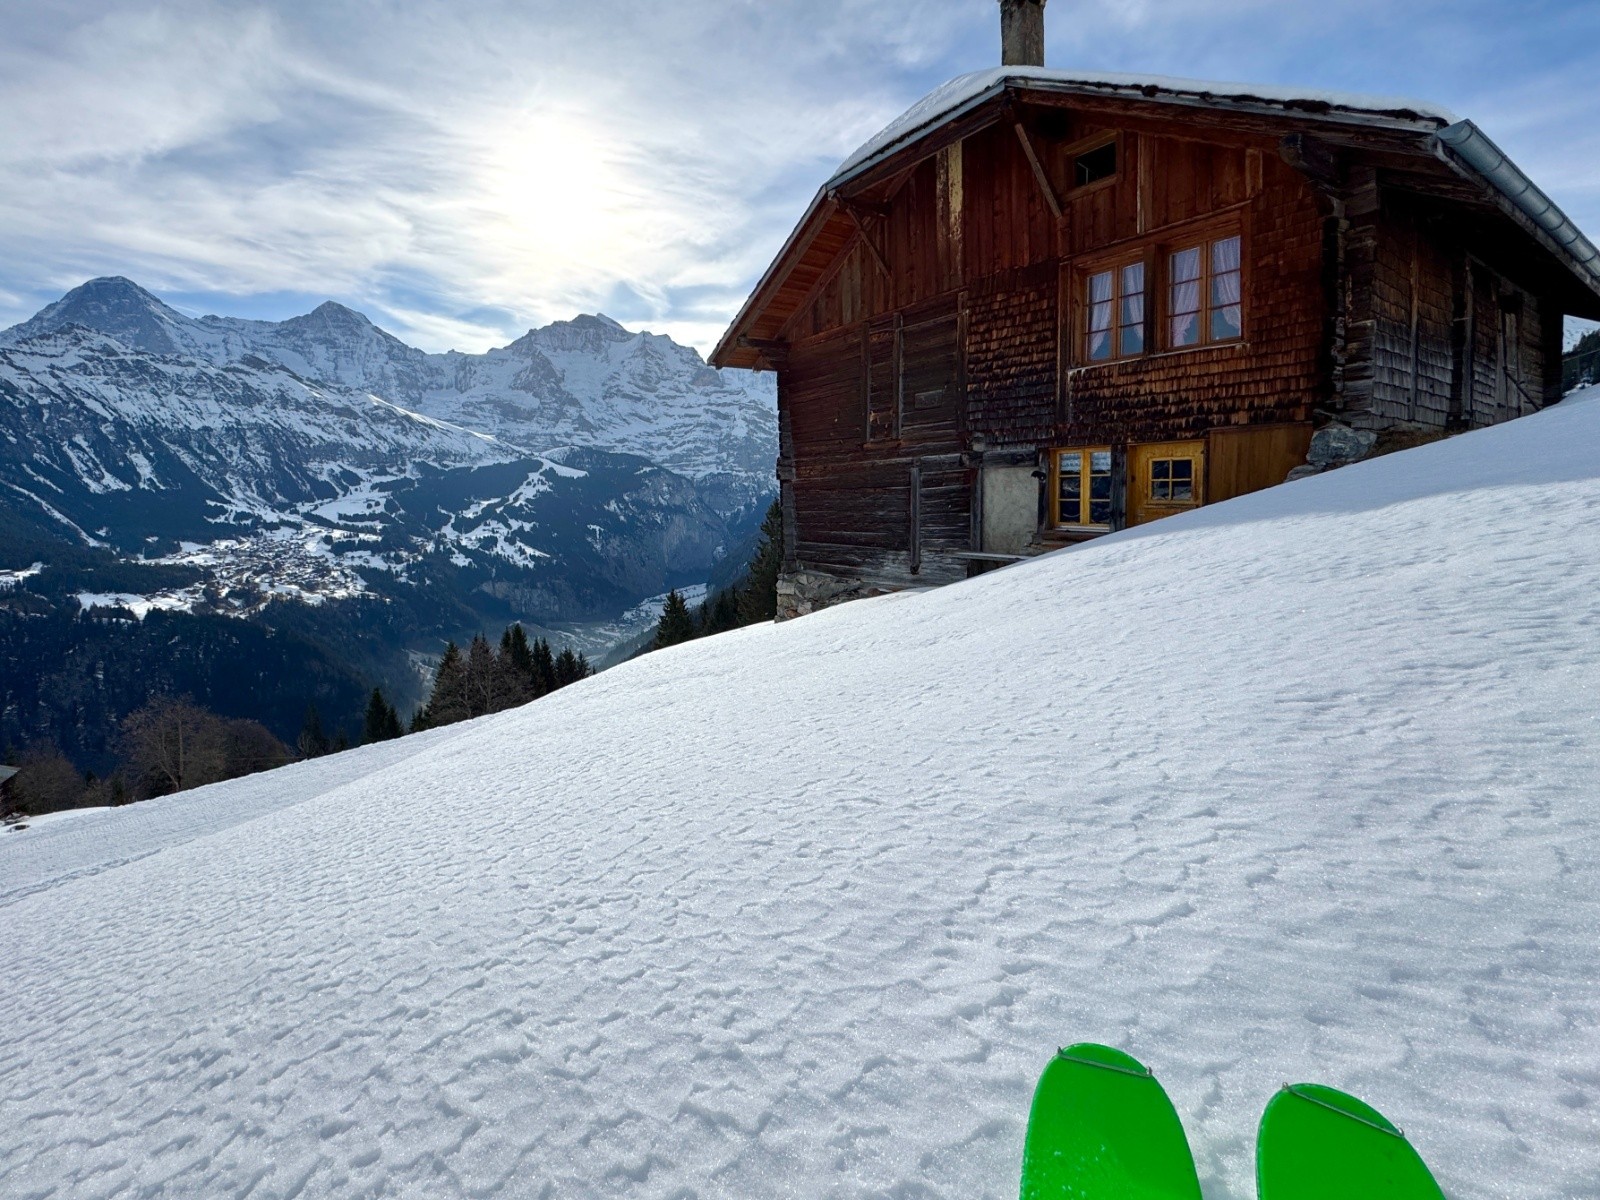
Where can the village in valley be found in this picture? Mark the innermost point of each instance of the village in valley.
(1060, 664)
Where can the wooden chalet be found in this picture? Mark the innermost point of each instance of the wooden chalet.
(1044, 305)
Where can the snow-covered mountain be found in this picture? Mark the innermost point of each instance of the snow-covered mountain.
(322, 439)
(586, 382)
(277, 486)
(1299, 786)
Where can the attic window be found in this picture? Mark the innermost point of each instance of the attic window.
(1094, 164)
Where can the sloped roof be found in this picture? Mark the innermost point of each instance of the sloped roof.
(967, 91)
(1429, 129)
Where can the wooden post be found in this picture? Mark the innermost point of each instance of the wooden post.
(916, 518)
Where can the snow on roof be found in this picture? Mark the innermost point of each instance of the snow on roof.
(947, 100)
(812, 925)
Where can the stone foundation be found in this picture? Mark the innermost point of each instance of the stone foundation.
(803, 592)
(1332, 447)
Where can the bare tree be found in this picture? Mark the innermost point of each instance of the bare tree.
(171, 744)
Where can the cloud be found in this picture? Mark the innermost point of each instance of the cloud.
(443, 165)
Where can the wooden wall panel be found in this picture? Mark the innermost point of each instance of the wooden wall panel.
(1273, 377)
(1245, 459)
(1413, 302)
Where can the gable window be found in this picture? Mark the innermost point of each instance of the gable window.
(1114, 309)
(1204, 293)
(1094, 164)
(1081, 495)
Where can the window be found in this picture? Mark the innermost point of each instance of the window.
(1083, 487)
(1172, 481)
(1204, 293)
(1093, 165)
(1114, 309)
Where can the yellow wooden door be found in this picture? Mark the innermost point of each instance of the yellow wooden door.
(1165, 478)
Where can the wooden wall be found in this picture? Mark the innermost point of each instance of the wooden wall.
(1455, 344)
(944, 332)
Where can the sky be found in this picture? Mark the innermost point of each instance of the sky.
(462, 170)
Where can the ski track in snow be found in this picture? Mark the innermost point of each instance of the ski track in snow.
(1297, 787)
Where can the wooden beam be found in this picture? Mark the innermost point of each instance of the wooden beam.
(1039, 173)
(866, 238)
(776, 353)
(866, 207)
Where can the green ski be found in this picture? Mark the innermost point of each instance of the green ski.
(1317, 1143)
(1102, 1128)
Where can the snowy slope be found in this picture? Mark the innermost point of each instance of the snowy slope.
(1298, 786)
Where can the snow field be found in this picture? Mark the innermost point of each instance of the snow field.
(1295, 787)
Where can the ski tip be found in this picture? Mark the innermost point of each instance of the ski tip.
(1092, 1054)
(1318, 1143)
(1340, 1102)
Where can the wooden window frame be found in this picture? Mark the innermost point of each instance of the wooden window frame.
(1202, 239)
(1082, 306)
(1073, 151)
(1142, 458)
(1085, 475)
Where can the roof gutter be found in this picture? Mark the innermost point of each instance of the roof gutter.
(1468, 144)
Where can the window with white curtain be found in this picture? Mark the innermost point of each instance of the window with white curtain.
(1114, 312)
(1204, 293)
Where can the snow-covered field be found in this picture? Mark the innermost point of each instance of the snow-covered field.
(1300, 786)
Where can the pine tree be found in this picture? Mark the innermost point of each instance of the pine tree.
(482, 679)
(382, 723)
(447, 703)
(675, 625)
(718, 613)
(313, 742)
(516, 666)
(515, 650)
(544, 669)
(571, 667)
(758, 598)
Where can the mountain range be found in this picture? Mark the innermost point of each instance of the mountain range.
(308, 471)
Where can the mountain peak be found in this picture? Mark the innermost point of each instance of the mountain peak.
(113, 305)
(332, 310)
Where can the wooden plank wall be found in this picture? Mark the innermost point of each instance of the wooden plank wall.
(1414, 306)
(1423, 281)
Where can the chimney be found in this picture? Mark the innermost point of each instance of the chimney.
(1022, 33)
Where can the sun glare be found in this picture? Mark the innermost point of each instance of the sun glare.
(555, 193)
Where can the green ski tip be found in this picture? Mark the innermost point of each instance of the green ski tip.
(1318, 1143)
(1102, 1128)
